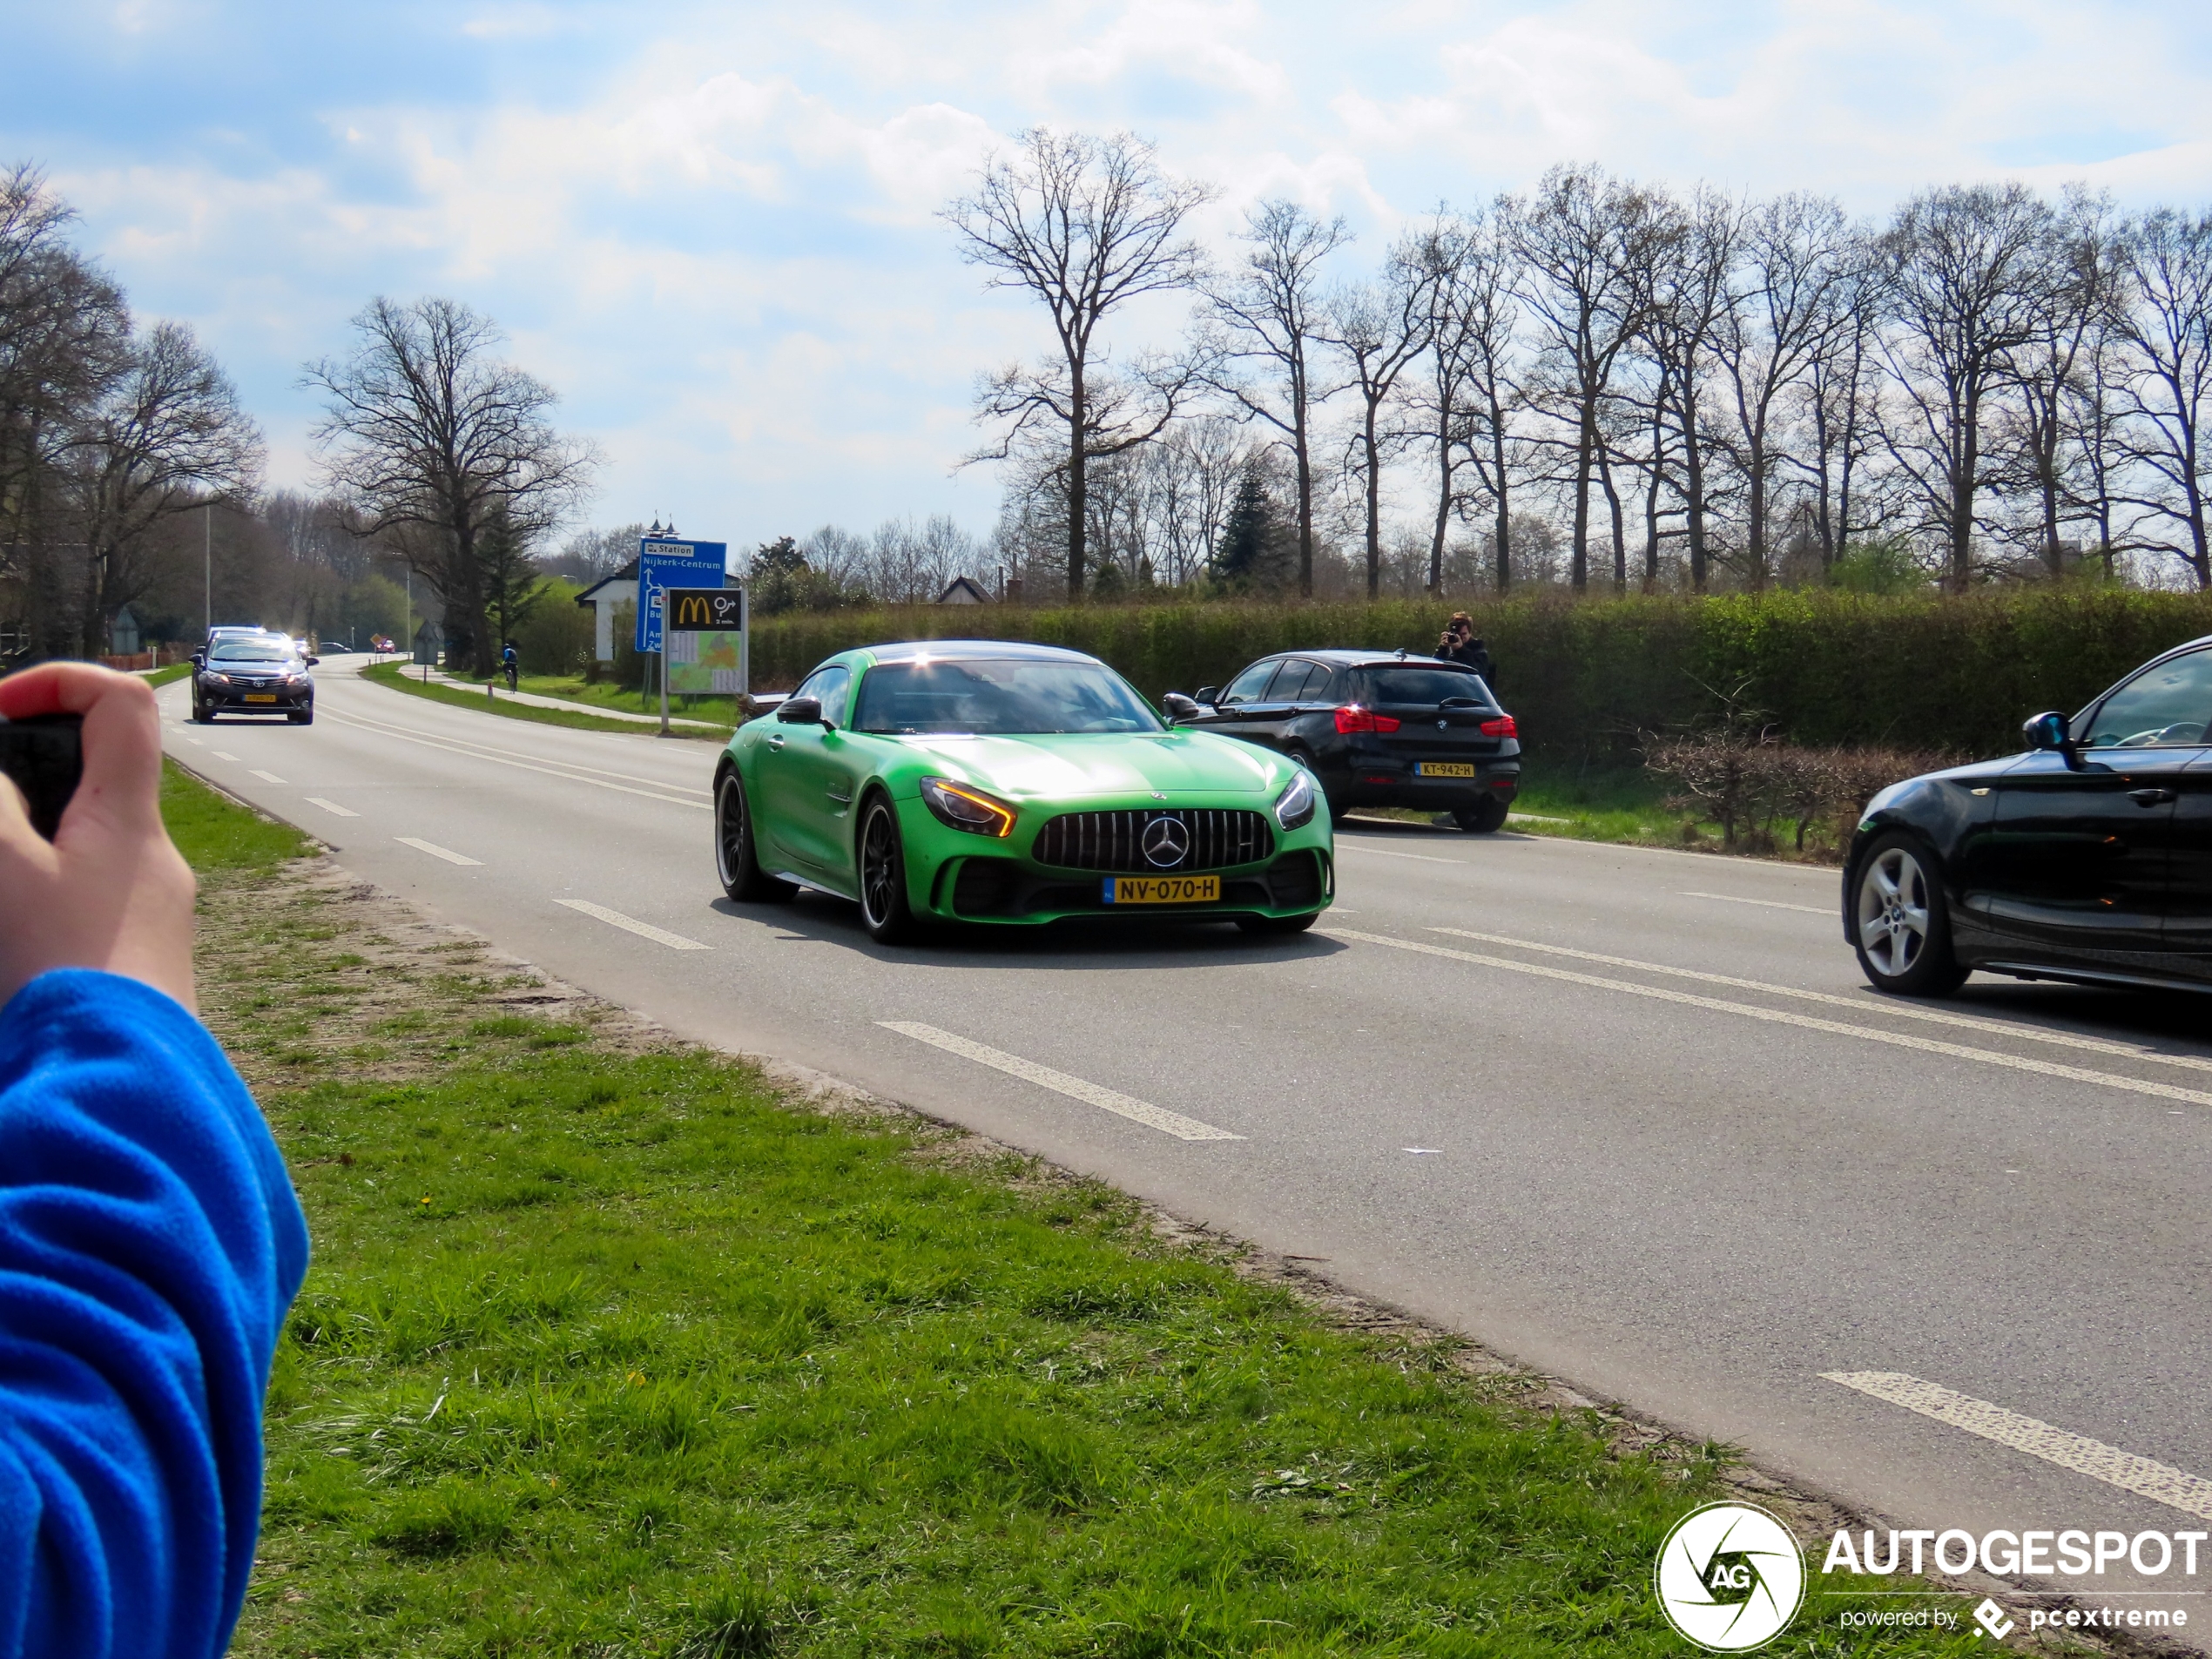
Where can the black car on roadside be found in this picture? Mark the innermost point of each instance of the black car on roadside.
(1377, 729)
(2086, 857)
(242, 673)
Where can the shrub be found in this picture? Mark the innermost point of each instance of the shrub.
(1586, 679)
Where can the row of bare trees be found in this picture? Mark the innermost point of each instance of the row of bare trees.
(1697, 388)
(110, 430)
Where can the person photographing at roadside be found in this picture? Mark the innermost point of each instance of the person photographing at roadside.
(1459, 644)
(150, 1239)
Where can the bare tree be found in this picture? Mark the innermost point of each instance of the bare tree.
(1965, 273)
(1838, 399)
(1085, 224)
(1380, 329)
(2166, 318)
(168, 436)
(1585, 242)
(1791, 298)
(1472, 391)
(1690, 307)
(425, 431)
(1268, 312)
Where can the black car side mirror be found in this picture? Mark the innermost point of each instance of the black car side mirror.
(799, 710)
(1179, 707)
(2047, 731)
(200, 659)
(1208, 693)
(311, 661)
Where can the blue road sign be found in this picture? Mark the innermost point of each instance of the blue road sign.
(663, 565)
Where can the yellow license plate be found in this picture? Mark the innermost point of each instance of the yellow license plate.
(1162, 889)
(260, 697)
(1444, 769)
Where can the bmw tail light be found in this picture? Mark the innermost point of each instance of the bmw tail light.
(1352, 717)
(1500, 727)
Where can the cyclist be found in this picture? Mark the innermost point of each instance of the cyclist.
(513, 664)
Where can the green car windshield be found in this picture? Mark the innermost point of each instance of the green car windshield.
(998, 698)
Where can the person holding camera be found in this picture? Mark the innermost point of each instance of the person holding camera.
(1459, 644)
(151, 1242)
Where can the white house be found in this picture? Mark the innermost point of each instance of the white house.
(963, 591)
(607, 596)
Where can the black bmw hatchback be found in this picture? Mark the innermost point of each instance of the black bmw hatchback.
(1376, 728)
(2087, 858)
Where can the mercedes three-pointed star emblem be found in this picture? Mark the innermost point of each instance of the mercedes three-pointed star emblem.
(1166, 843)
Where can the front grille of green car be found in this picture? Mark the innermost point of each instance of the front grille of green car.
(1218, 840)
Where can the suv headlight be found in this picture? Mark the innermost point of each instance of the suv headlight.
(1294, 805)
(214, 678)
(968, 809)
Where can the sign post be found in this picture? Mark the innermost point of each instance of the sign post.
(662, 564)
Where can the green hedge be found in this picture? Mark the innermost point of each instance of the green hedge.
(1584, 679)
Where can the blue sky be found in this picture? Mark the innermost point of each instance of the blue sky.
(710, 226)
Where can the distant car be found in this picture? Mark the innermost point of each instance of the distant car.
(983, 781)
(253, 673)
(1378, 730)
(2086, 857)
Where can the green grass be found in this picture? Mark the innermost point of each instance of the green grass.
(166, 676)
(215, 832)
(609, 1349)
(723, 711)
(394, 675)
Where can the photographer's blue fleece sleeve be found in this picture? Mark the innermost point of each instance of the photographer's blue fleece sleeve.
(150, 1245)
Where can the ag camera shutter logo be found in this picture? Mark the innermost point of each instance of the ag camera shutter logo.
(1730, 1577)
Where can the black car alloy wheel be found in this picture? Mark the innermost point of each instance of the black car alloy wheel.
(737, 860)
(1900, 928)
(883, 875)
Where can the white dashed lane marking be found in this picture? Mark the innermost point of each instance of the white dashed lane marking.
(630, 924)
(568, 772)
(1802, 1021)
(1384, 852)
(1892, 1009)
(1137, 1111)
(435, 851)
(1763, 904)
(332, 806)
(221, 755)
(2174, 1488)
(265, 777)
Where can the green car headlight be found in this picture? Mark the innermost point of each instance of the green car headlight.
(968, 809)
(1294, 805)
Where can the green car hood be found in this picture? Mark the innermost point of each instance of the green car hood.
(1064, 767)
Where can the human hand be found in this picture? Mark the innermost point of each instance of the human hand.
(110, 891)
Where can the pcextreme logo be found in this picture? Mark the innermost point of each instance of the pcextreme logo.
(1730, 1577)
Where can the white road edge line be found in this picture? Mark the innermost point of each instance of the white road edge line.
(2174, 1488)
(1383, 852)
(1137, 1111)
(1763, 904)
(472, 753)
(265, 777)
(332, 806)
(1804, 1021)
(493, 750)
(435, 850)
(1892, 1009)
(630, 924)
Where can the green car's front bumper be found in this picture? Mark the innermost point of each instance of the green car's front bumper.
(1037, 875)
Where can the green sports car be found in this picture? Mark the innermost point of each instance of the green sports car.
(979, 781)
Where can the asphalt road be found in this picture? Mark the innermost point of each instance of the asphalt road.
(1699, 1198)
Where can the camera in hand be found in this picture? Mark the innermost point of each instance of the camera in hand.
(45, 756)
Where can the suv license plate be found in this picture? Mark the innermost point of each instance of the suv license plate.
(1444, 769)
(1162, 889)
(260, 697)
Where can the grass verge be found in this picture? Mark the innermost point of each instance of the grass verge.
(722, 710)
(216, 834)
(611, 1348)
(166, 676)
(394, 675)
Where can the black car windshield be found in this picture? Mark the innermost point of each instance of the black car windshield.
(994, 698)
(252, 650)
(1427, 686)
